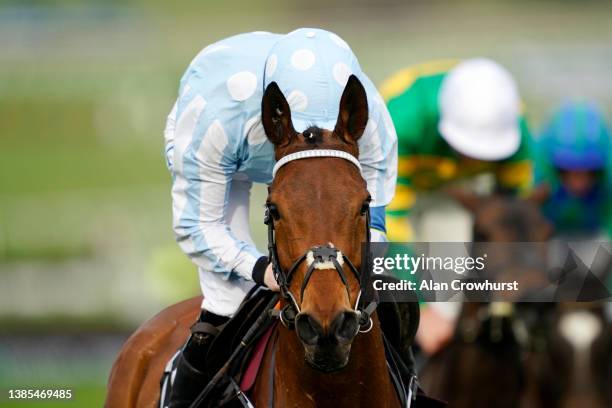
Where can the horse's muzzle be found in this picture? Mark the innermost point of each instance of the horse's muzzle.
(327, 350)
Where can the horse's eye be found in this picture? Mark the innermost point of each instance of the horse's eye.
(272, 211)
(365, 207)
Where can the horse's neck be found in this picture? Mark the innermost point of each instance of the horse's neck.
(365, 381)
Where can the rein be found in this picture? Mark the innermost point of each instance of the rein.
(320, 257)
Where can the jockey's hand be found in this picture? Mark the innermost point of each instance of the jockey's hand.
(263, 274)
(269, 279)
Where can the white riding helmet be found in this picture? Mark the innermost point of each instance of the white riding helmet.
(479, 110)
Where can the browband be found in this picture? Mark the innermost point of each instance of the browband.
(307, 154)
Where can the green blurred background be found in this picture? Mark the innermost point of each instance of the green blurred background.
(86, 247)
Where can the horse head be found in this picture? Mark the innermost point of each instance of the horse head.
(319, 209)
(502, 218)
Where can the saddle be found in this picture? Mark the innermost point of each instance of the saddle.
(250, 321)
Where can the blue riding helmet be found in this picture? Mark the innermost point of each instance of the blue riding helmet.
(577, 138)
(311, 66)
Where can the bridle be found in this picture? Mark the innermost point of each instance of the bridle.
(321, 257)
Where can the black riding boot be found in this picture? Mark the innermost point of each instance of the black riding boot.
(399, 322)
(190, 376)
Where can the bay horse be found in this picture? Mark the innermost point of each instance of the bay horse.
(332, 353)
(483, 365)
(319, 205)
(527, 354)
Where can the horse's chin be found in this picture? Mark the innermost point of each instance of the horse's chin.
(325, 366)
(327, 361)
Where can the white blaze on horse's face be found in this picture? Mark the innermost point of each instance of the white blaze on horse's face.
(580, 328)
(501, 309)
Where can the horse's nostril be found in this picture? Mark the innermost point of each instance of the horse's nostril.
(346, 326)
(308, 329)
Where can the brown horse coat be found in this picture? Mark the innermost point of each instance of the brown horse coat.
(302, 386)
(135, 376)
(320, 202)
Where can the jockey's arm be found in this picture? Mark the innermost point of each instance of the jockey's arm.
(409, 117)
(399, 210)
(378, 227)
(378, 159)
(202, 167)
(398, 213)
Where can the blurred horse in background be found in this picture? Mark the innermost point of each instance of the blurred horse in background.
(482, 365)
(579, 348)
(521, 354)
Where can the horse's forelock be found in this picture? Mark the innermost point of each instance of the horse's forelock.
(315, 137)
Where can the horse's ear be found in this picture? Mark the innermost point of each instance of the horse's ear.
(276, 115)
(353, 115)
(468, 199)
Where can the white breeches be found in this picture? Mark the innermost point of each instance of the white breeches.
(223, 296)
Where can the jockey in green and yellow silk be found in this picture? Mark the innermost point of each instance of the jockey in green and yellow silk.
(454, 120)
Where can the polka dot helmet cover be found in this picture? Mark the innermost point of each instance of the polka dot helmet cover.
(311, 67)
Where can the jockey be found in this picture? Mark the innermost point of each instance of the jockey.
(216, 148)
(574, 163)
(454, 120)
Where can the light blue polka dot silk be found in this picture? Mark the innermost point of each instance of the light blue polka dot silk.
(214, 133)
(311, 67)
